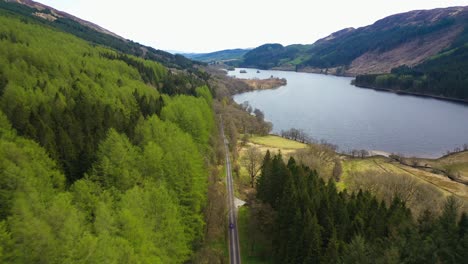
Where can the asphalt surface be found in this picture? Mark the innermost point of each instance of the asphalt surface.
(234, 250)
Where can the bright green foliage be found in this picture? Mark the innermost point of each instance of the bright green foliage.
(191, 114)
(151, 221)
(117, 164)
(94, 36)
(38, 214)
(99, 183)
(65, 94)
(138, 205)
(204, 92)
(181, 167)
(317, 224)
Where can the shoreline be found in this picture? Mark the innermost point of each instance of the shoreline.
(399, 92)
(383, 153)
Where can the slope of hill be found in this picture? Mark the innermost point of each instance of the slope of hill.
(91, 32)
(444, 75)
(222, 55)
(402, 39)
(98, 163)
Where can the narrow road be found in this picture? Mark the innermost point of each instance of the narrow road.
(234, 250)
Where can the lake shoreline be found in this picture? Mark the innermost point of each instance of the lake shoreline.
(399, 92)
(423, 146)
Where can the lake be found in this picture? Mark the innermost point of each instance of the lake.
(330, 108)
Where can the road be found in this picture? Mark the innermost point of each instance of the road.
(234, 250)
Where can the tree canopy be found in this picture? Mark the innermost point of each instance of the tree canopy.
(315, 223)
(96, 165)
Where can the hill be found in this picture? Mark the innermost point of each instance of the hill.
(403, 39)
(444, 75)
(104, 155)
(222, 55)
(91, 32)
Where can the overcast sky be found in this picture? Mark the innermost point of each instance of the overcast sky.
(210, 25)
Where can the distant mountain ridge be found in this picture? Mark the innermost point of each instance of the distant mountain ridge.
(222, 55)
(402, 39)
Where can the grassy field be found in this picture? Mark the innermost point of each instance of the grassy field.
(456, 163)
(272, 143)
(382, 164)
(276, 142)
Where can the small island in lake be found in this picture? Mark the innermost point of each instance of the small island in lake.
(264, 84)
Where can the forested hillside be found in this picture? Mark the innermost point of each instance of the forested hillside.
(222, 55)
(302, 219)
(407, 38)
(104, 156)
(444, 75)
(80, 28)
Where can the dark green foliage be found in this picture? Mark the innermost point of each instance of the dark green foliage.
(222, 55)
(269, 55)
(317, 224)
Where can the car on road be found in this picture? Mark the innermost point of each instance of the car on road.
(231, 226)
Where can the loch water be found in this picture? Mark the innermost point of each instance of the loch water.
(330, 108)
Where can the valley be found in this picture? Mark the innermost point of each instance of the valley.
(112, 151)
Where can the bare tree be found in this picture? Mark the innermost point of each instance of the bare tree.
(296, 134)
(252, 161)
(387, 186)
(363, 153)
(354, 153)
(318, 157)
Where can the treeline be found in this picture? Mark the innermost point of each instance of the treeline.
(312, 222)
(97, 164)
(297, 135)
(444, 75)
